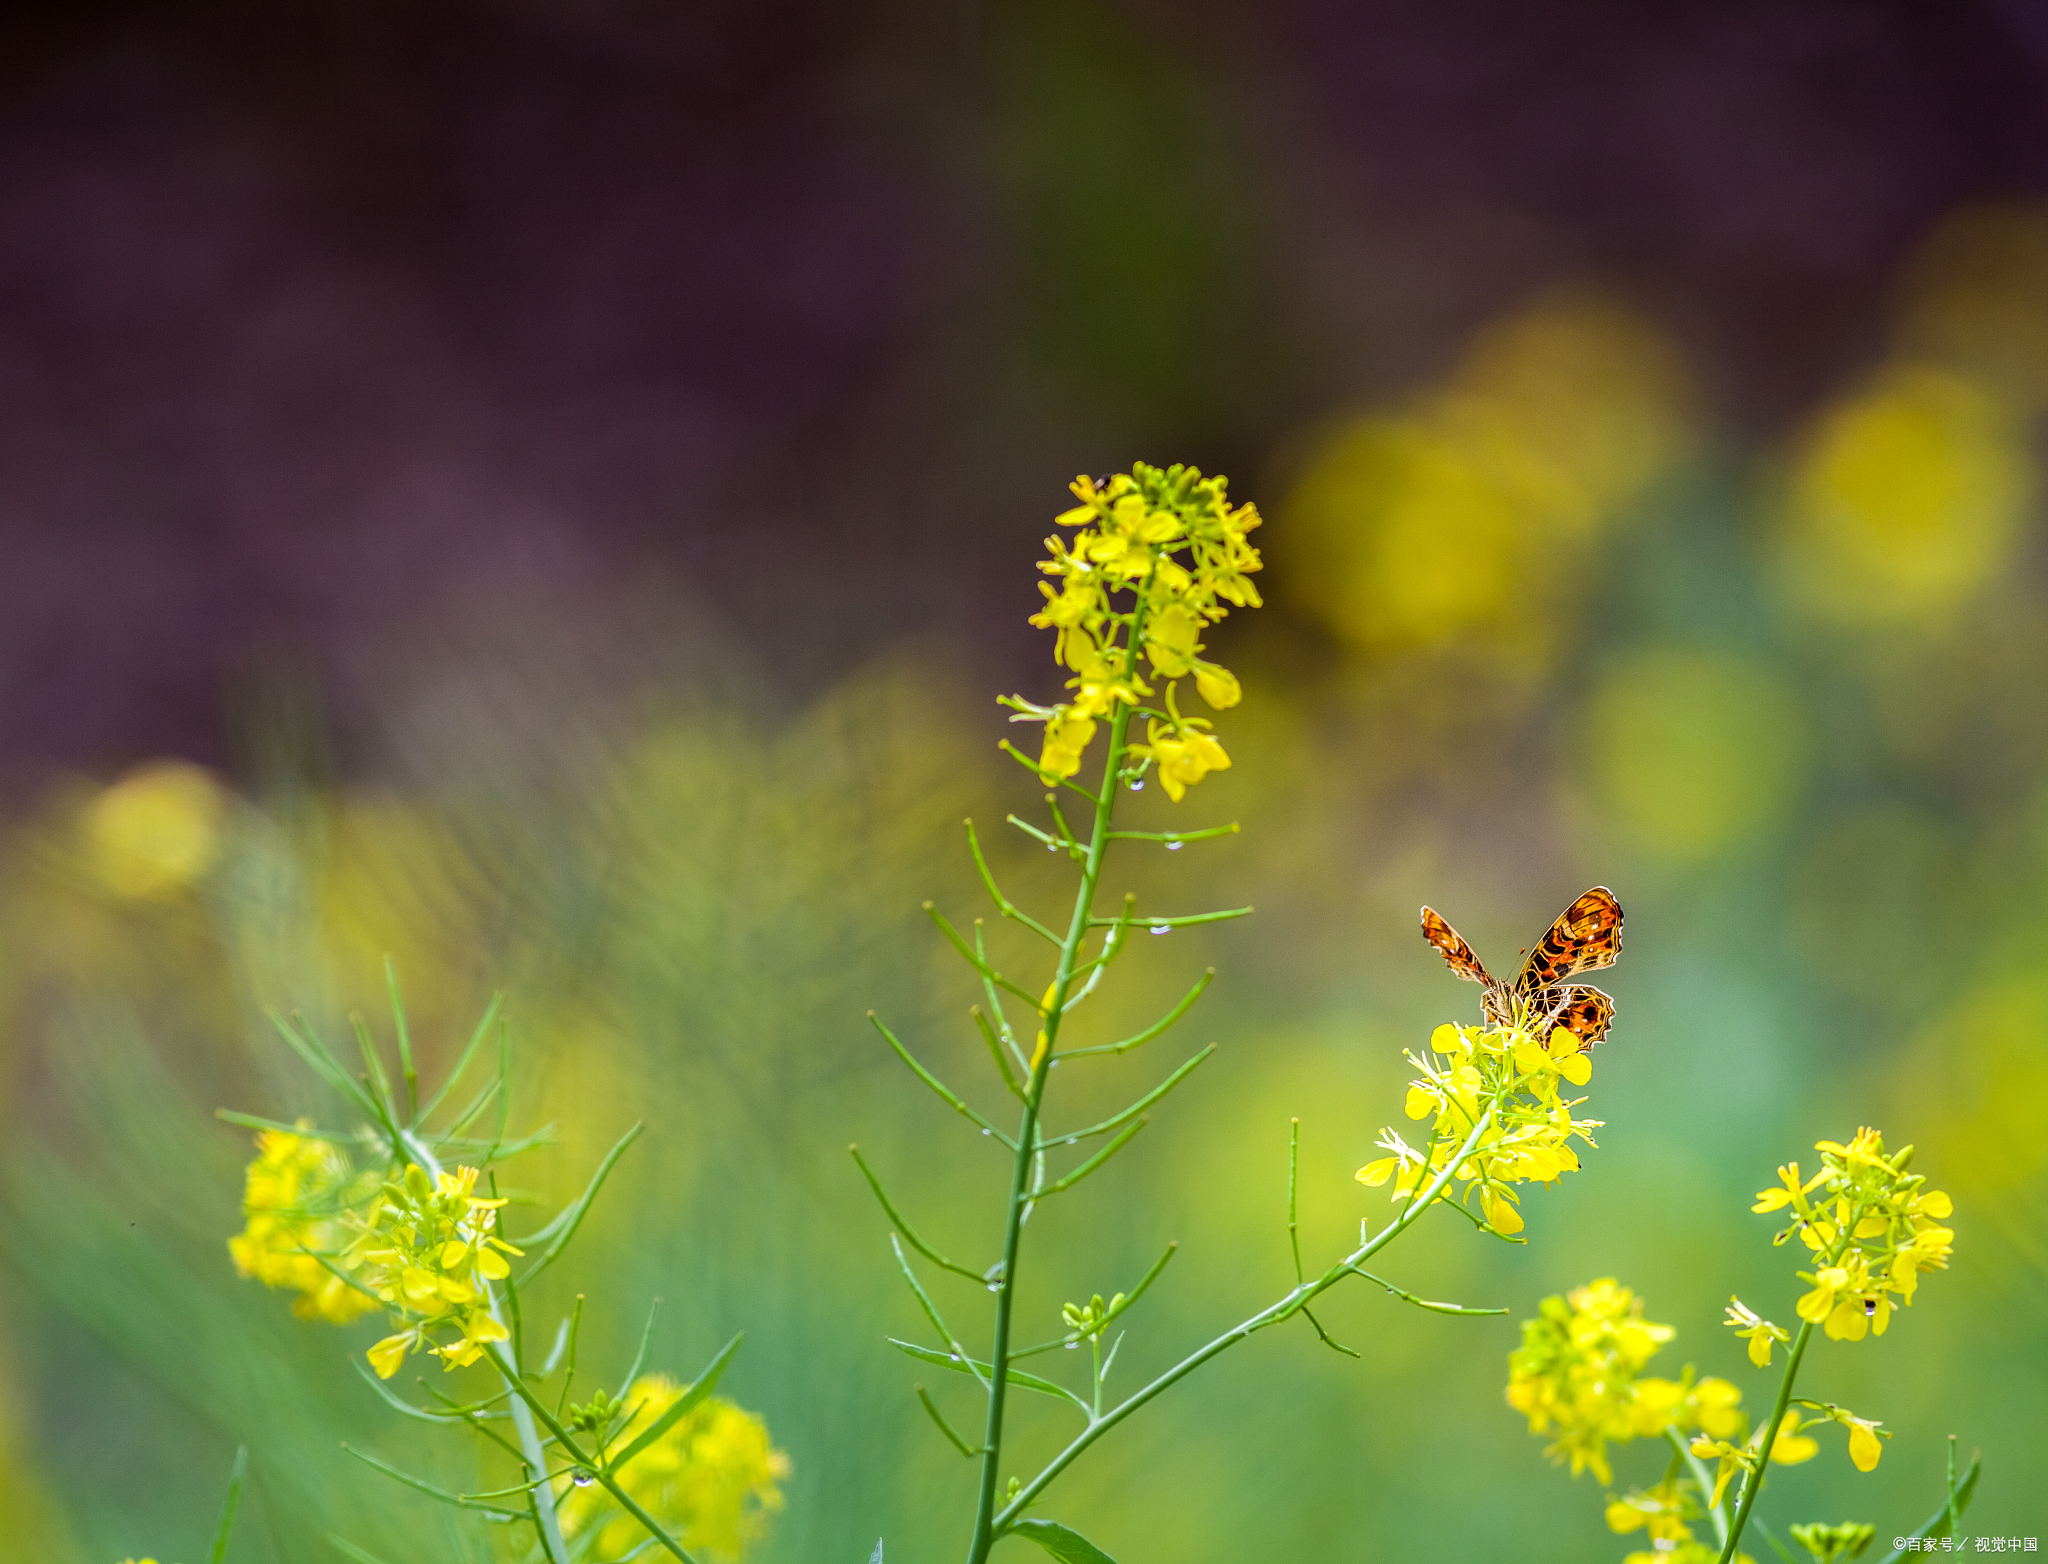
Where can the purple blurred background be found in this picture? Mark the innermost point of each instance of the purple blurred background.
(476, 329)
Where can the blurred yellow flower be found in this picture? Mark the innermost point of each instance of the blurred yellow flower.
(711, 1478)
(1461, 516)
(1791, 1447)
(1664, 1510)
(1577, 1372)
(1908, 498)
(1976, 1081)
(296, 1194)
(157, 831)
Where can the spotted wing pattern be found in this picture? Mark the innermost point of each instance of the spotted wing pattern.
(1451, 945)
(1585, 938)
(1585, 1011)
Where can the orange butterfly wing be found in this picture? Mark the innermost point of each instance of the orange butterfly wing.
(1585, 938)
(1587, 1012)
(1451, 945)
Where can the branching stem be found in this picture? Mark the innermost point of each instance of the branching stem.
(1755, 1480)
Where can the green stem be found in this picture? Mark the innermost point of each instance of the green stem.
(1703, 1477)
(1295, 1299)
(985, 1533)
(583, 1458)
(1755, 1481)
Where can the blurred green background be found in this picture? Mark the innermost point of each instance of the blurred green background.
(549, 494)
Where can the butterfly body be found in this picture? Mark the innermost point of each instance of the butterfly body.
(1585, 938)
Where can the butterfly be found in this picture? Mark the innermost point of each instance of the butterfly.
(1585, 938)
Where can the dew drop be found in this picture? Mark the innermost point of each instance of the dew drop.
(984, 1131)
(1052, 847)
(1073, 1346)
(1137, 787)
(995, 1286)
(583, 1479)
(1173, 847)
(1162, 928)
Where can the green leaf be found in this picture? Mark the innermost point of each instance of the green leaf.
(1062, 1542)
(497, 1512)
(1937, 1524)
(563, 1228)
(981, 1370)
(706, 1382)
(876, 1556)
(225, 1528)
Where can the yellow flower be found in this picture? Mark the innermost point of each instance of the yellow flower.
(1498, 1205)
(295, 1195)
(1171, 640)
(1663, 1509)
(1067, 735)
(156, 832)
(1790, 1447)
(1790, 1191)
(1183, 756)
(1156, 556)
(1866, 1436)
(1828, 1285)
(389, 1353)
(1576, 1372)
(1711, 1407)
(429, 1249)
(1529, 1138)
(1759, 1332)
(1217, 685)
(1871, 1226)
(710, 1478)
(1733, 1458)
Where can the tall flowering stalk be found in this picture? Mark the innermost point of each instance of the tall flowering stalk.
(1155, 559)
(653, 1464)
(1872, 1227)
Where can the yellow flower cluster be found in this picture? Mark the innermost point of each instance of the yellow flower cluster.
(1872, 1228)
(429, 1249)
(1157, 554)
(1663, 1511)
(296, 1193)
(1505, 1068)
(710, 1478)
(1579, 1372)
